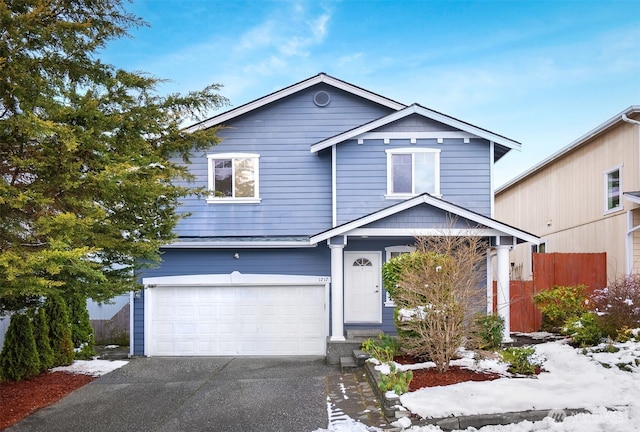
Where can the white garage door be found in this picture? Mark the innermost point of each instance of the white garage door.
(235, 320)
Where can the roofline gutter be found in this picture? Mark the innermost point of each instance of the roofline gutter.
(635, 122)
(573, 145)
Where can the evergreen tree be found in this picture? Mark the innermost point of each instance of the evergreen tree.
(81, 330)
(41, 335)
(89, 154)
(59, 330)
(19, 356)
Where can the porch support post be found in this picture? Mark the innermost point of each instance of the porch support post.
(490, 255)
(337, 292)
(503, 290)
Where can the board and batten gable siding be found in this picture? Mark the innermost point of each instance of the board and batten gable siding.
(295, 184)
(465, 170)
(422, 216)
(564, 202)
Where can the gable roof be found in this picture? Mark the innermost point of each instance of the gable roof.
(425, 112)
(287, 91)
(584, 139)
(425, 198)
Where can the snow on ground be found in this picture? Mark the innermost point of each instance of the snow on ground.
(572, 380)
(575, 378)
(91, 367)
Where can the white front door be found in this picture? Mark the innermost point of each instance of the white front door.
(362, 287)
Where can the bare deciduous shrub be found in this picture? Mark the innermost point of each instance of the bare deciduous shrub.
(619, 304)
(438, 296)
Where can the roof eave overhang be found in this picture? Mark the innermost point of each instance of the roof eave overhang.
(634, 197)
(302, 85)
(238, 244)
(618, 118)
(426, 112)
(498, 227)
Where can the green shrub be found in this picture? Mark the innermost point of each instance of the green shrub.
(393, 269)
(521, 360)
(81, 330)
(397, 381)
(384, 349)
(489, 331)
(59, 330)
(41, 335)
(624, 334)
(585, 330)
(560, 303)
(19, 356)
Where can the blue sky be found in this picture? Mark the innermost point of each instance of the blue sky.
(543, 73)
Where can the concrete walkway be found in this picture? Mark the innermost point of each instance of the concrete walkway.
(350, 395)
(212, 394)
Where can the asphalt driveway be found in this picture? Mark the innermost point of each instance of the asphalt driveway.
(196, 394)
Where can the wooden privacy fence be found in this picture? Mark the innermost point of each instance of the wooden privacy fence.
(549, 269)
(114, 330)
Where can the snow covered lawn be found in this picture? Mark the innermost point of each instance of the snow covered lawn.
(574, 378)
(91, 367)
(571, 380)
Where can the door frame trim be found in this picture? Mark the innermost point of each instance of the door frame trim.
(379, 273)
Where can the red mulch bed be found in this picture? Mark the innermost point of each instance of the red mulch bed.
(454, 375)
(20, 398)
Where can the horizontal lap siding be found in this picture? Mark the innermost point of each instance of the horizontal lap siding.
(362, 175)
(307, 261)
(465, 174)
(295, 185)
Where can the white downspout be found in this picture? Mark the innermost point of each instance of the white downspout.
(492, 150)
(628, 120)
(334, 187)
(630, 228)
(131, 321)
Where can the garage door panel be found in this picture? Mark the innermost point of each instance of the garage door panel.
(247, 320)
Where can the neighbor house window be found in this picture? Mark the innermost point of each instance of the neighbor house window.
(613, 190)
(392, 252)
(233, 177)
(413, 171)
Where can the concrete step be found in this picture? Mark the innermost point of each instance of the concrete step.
(360, 357)
(363, 334)
(347, 364)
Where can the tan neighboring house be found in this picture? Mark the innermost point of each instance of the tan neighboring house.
(584, 198)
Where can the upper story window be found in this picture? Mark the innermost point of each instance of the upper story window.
(412, 171)
(613, 189)
(233, 177)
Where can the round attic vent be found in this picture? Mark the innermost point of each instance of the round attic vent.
(321, 98)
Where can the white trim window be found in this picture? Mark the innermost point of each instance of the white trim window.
(613, 189)
(233, 177)
(392, 252)
(413, 171)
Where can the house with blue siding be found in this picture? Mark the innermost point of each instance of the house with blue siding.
(311, 189)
